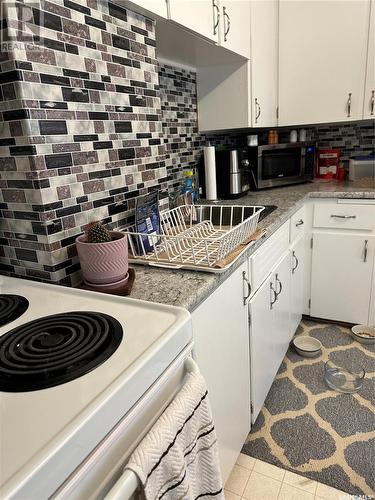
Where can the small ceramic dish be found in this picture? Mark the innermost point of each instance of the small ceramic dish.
(364, 334)
(307, 346)
(108, 286)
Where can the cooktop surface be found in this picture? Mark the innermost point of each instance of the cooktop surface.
(11, 307)
(56, 349)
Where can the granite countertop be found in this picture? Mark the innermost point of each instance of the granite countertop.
(189, 288)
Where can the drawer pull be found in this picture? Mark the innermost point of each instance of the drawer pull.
(296, 261)
(274, 296)
(248, 287)
(365, 251)
(281, 285)
(299, 223)
(344, 216)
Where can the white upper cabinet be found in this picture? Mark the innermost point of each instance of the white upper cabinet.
(235, 26)
(200, 16)
(322, 60)
(264, 62)
(369, 97)
(158, 7)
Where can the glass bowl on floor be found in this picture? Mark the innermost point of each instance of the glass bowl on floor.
(347, 379)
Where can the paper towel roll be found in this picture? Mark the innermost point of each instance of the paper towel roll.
(210, 172)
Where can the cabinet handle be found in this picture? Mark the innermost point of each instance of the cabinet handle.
(248, 287)
(344, 216)
(216, 23)
(227, 27)
(296, 260)
(257, 111)
(349, 104)
(279, 282)
(299, 223)
(274, 294)
(365, 251)
(372, 102)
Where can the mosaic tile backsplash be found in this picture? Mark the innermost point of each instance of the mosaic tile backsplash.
(81, 130)
(89, 121)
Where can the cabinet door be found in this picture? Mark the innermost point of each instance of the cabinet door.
(261, 345)
(371, 318)
(158, 7)
(297, 261)
(322, 58)
(281, 310)
(264, 62)
(221, 349)
(235, 26)
(341, 276)
(369, 97)
(200, 16)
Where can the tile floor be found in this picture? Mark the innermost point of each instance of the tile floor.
(252, 479)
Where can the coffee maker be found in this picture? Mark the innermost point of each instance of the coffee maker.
(232, 173)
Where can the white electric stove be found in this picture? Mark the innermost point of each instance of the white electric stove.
(73, 363)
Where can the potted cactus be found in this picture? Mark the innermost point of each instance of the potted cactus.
(103, 254)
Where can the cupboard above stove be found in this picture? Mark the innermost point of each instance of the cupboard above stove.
(260, 63)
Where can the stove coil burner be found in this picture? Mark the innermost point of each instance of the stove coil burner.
(11, 307)
(56, 349)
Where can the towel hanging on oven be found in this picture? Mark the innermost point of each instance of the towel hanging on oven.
(178, 458)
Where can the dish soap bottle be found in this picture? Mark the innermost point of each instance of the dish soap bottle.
(188, 184)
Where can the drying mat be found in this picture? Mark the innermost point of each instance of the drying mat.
(123, 290)
(311, 430)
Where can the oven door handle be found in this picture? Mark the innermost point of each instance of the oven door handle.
(129, 483)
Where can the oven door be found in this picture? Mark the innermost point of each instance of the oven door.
(101, 470)
(281, 164)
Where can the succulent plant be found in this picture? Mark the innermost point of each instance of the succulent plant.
(97, 233)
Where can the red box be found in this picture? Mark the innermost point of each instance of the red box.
(327, 163)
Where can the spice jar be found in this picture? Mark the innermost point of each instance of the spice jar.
(273, 137)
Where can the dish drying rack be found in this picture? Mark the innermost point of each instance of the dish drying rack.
(195, 237)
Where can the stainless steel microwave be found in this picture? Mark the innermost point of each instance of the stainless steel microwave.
(281, 164)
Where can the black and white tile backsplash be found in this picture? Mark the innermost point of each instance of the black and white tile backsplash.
(89, 121)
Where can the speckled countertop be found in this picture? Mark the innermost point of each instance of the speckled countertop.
(189, 288)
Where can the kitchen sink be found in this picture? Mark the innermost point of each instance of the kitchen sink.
(267, 211)
(214, 214)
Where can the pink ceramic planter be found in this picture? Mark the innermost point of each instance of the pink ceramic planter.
(103, 262)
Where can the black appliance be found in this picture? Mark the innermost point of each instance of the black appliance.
(232, 173)
(281, 164)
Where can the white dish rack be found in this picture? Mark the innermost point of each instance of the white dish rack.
(195, 236)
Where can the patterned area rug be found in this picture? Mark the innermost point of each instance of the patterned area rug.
(307, 428)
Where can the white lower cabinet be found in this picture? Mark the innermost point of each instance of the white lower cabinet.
(261, 345)
(341, 276)
(270, 331)
(281, 310)
(221, 349)
(297, 288)
(371, 320)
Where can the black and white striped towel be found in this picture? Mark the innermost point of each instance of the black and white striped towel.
(178, 459)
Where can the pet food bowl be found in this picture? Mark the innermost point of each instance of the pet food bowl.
(346, 378)
(307, 346)
(364, 334)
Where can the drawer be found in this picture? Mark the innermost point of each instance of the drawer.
(344, 216)
(263, 260)
(297, 224)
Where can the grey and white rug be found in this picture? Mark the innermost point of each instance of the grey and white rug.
(312, 430)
